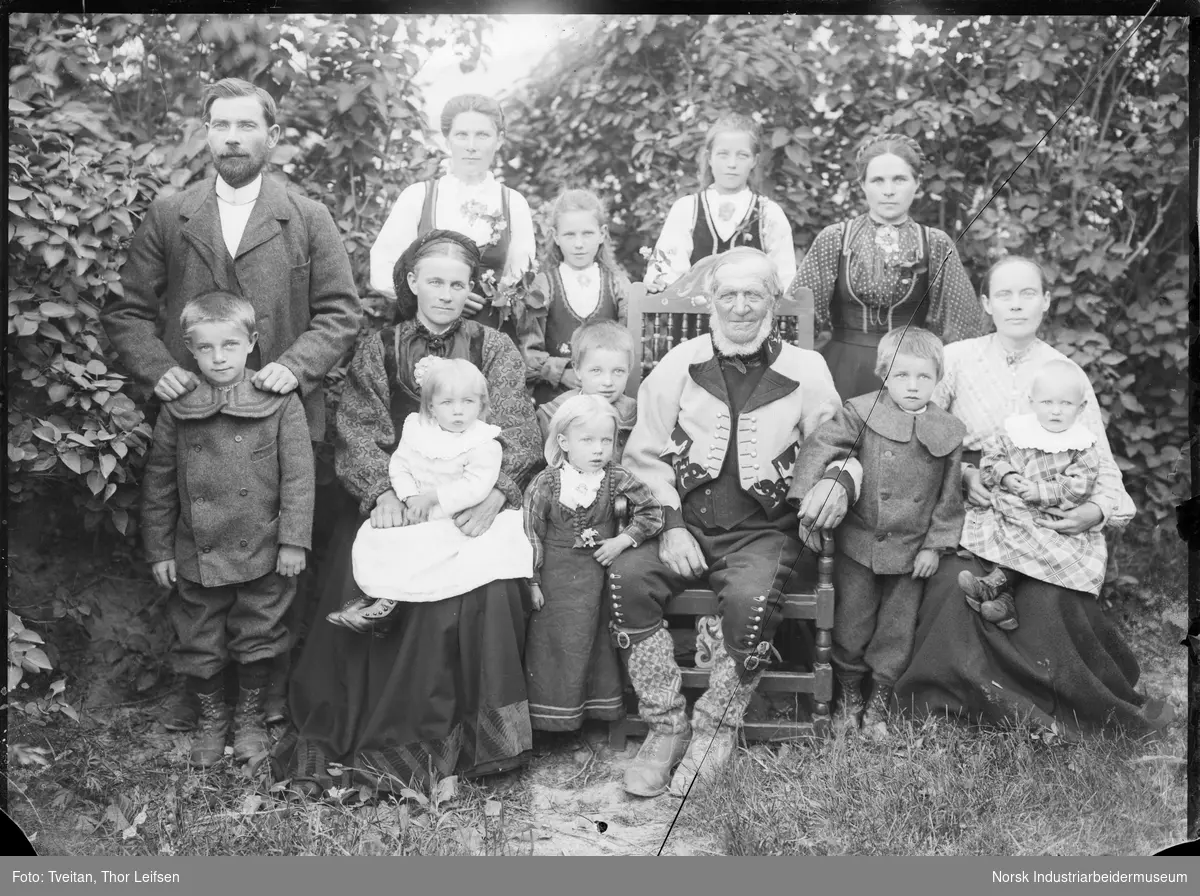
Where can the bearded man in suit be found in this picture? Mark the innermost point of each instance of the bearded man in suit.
(242, 232)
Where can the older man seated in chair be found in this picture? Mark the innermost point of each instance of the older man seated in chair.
(720, 422)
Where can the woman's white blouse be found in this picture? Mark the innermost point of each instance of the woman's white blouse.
(400, 228)
(675, 241)
(983, 385)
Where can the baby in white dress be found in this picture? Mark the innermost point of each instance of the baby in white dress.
(448, 460)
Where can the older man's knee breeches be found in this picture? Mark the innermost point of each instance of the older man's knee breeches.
(747, 570)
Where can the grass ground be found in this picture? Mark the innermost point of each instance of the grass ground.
(117, 783)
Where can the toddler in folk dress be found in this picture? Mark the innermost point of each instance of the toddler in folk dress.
(448, 460)
(571, 667)
(1042, 461)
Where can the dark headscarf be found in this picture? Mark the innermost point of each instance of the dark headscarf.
(406, 299)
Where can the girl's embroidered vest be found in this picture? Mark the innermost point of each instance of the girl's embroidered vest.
(706, 242)
(848, 312)
(492, 258)
(562, 322)
(599, 516)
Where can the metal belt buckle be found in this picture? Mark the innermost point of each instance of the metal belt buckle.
(623, 641)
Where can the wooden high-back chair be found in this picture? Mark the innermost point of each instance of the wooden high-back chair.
(660, 322)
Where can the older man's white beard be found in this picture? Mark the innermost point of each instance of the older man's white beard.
(727, 347)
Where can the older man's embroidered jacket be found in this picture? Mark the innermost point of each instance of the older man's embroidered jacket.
(684, 431)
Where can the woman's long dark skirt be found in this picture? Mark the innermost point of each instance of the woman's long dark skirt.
(1066, 663)
(443, 691)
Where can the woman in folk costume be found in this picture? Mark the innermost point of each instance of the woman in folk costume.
(883, 270)
(726, 212)
(468, 200)
(443, 690)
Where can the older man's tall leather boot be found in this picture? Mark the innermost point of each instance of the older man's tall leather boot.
(715, 721)
(659, 687)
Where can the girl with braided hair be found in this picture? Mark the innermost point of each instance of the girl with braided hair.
(442, 689)
(571, 666)
(883, 270)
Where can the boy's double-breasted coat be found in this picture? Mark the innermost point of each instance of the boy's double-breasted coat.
(911, 495)
(229, 479)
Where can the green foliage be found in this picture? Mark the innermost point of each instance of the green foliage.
(27, 655)
(104, 118)
(623, 109)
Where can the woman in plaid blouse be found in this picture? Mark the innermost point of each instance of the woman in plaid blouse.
(1066, 663)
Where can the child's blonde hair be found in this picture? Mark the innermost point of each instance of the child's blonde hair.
(217, 307)
(442, 373)
(575, 409)
(730, 123)
(579, 201)
(600, 334)
(911, 341)
(1060, 368)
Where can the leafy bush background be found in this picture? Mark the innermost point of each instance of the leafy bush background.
(104, 117)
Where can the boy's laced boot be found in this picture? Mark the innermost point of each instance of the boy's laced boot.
(182, 710)
(276, 705)
(250, 739)
(715, 721)
(851, 705)
(658, 684)
(208, 743)
(1001, 612)
(879, 707)
(979, 589)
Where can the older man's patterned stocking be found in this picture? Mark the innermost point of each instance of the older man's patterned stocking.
(657, 682)
(726, 688)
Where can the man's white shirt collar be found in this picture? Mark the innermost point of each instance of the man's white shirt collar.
(242, 195)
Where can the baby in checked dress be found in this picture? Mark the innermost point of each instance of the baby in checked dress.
(1042, 462)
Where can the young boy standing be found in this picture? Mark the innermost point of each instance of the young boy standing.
(909, 510)
(602, 355)
(227, 502)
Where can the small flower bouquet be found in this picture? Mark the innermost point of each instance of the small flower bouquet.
(509, 298)
(485, 225)
(658, 261)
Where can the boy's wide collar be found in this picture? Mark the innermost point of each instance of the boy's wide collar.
(244, 400)
(938, 430)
